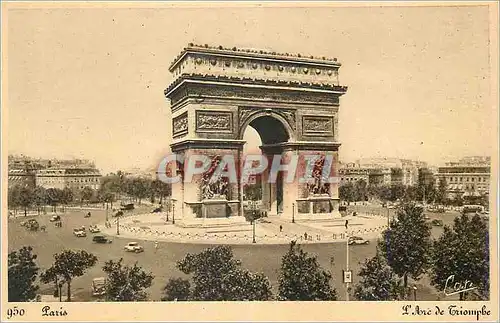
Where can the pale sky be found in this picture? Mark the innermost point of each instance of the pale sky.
(88, 83)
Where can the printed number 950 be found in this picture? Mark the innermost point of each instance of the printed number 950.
(11, 312)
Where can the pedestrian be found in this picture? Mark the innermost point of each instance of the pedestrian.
(305, 235)
(156, 246)
(281, 228)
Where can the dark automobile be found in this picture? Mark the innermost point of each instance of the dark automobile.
(157, 210)
(119, 213)
(127, 207)
(101, 239)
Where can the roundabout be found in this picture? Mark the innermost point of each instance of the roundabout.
(269, 230)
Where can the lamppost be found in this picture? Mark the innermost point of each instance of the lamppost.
(173, 213)
(293, 212)
(118, 223)
(106, 214)
(347, 279)
(253, 226)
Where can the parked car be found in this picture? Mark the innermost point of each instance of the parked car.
(32, 225)
(357, 240)
(55, 218)
(94, 229)
(127, 207)
(133, 247)
(119, 213)
(101, 239)
(79, 233)
(157, 210)
(99, 286)
(437, 223)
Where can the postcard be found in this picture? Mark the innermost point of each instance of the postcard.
(253, 161)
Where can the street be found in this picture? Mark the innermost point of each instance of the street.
(261, 258)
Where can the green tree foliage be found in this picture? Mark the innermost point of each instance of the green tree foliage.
(406, 243)
(22, 274)
(301, 278)
(126, 283)
(463, 251)
(177, 289)
(68, 265)
(378, 282)
(217, 276)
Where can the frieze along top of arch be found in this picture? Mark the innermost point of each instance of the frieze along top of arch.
(255, 65)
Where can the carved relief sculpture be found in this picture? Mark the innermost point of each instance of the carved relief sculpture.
(320, 184)
(214, 185)
(318, 125)
(180, 125)
(213, 121)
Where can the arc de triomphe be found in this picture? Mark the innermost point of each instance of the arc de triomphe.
(292, 101)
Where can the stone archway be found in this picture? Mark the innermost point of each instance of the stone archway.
(273, 130)
(292, 102)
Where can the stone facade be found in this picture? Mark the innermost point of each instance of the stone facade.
(290, 100)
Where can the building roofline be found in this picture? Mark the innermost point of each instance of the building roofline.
(253, 54)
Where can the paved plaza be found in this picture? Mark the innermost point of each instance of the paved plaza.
(269, 230)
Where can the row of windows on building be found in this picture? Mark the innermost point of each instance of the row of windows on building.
(61, 180)
(467, 179)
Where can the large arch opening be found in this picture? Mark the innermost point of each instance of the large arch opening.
(260, 133)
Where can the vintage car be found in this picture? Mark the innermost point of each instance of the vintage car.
(98, 286)
(133, 247)
(94, 229)
(55, 218)
(32, 225)
(79, 233)
(101, 239)
(357, 240)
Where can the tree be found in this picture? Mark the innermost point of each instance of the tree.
(126, 283)
(441, 190)
(40, 197)
(22, 274)
(87, 194)
(406, 243)
(378, 281)
(463, 251)
(217, 276)
(54, 197)
(68, 265)
(66, 196)
(161, 189)
(361, 190)
(347, 192)
(177, 289)
(26, 198)
(301, 278)
(13, 197)
(140, 188)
